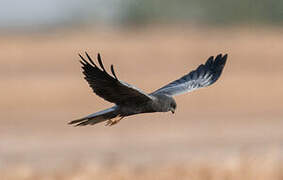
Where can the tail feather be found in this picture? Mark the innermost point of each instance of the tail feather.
(96, 117)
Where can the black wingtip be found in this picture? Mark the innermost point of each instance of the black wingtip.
(209, 61)
(225, 57)
(113, 72)
(82, 58)
(89, 58)
(219, 56)
(100, 62)
(215, 66)
(221, 60)
(82, 61)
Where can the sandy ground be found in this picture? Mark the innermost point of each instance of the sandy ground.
(42, 88)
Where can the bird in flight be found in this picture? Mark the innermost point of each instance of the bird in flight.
(130, 100)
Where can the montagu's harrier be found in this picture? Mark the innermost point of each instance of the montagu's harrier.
(130, 100)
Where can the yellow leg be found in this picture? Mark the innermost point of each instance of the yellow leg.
(114, 121)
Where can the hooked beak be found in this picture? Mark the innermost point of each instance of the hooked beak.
(172, 111)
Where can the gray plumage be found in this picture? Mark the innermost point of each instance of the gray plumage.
(130, 100)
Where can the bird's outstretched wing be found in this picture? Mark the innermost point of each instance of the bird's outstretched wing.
(205, 75)
(109, 87)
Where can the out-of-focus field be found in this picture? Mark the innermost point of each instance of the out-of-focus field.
(231, 130)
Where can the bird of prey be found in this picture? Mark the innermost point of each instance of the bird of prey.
(130, 100)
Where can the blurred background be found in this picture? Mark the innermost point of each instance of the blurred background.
(230, 130)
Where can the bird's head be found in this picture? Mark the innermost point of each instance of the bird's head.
(173, 106)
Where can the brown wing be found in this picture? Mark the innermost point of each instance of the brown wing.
(109, 87)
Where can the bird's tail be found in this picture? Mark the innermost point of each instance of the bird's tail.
(97, 117)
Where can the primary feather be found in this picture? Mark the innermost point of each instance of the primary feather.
(205, 75)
